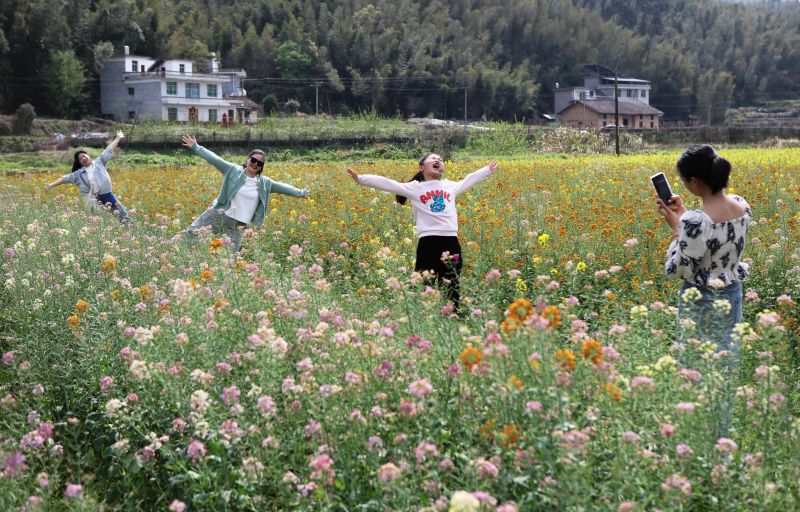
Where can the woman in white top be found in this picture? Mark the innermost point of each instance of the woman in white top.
(93, 180)
(243, 198)
(706, 252)
(433, 202)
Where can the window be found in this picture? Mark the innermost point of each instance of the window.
(643, 94)
(583, 95)
(641, 117)
(628, 93)
(651, 117)
(192, 90)
(130, 91)
(172, 114)
(131, 115)
(604, 123)
(212, 115)
(172, 88)
(641, 124)
(591, 94)
(135, 66)
(619, 92)
(651, 124)
(182, 68)
(211, 90)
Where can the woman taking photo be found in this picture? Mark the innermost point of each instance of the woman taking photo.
(433, 201)
(706, 251)
(243, 198)
(93, 180)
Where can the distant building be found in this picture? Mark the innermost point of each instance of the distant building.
(134, 86)
(588, 106)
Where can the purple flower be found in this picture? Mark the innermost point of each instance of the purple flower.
(14, 463)
(74, 491)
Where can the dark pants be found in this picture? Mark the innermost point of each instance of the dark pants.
(429, 257)
(116, 207)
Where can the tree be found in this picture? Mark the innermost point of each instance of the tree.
(23, 121)
(65, 82)
(292, 60)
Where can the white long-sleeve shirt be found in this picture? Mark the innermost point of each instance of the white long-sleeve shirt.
(433, 202)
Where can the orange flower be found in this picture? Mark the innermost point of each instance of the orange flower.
(109, 263)
(239, 265)
(206, 274)
(593, 350)
(73, 320)
(510, 435)
(471, 357)
(567, 358)
(516, 314)
(215, 244)
(81, 307)
(514, 382)
(612, 390)
(553, 316)
(145, 292)
(487, 427)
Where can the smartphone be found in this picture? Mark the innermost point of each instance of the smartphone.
(661, 185)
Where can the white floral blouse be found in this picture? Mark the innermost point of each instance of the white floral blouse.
(705, 250)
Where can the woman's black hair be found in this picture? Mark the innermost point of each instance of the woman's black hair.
(703, 163)
(417, 177)
(256, 152)
(76, 164)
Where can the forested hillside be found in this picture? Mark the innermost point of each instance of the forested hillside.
(411, 56)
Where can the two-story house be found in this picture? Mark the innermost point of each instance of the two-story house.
(592, 105)
(133, 86)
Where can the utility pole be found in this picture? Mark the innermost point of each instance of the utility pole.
(316, 86)
(616, 111)
(465, 108)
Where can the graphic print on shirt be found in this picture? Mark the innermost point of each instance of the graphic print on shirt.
(437, 198)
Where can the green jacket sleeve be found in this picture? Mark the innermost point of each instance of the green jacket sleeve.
(209, 156)
(283, 188)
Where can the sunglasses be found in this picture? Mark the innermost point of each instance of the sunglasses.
(257, 162)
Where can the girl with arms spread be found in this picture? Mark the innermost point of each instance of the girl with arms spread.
(433, 202)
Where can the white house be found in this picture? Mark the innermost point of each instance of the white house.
(133, 86)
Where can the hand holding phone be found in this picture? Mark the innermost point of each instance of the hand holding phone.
(661, 185)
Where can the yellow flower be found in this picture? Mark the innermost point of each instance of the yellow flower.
(206, 274)
(514, 383)
(73, 320)
(462, 501)
(543, 238)
(521, 286)
(580, 267)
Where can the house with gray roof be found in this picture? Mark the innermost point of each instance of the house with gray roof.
(592, 105)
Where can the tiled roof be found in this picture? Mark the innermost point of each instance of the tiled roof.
(626, 107)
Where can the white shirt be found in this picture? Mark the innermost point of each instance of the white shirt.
(244, 203)
(433, 202)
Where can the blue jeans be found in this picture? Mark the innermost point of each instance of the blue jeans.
(116, 207)
(220, 224)
(717, 327)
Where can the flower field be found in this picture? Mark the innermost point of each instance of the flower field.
(316, 371)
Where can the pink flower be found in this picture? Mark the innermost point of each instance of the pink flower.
(627, 506)
(492, 275)
(667, 430)
(13, 464)
(9, 358)
(785, 300)
(388, 473)
(678, 482)
(684, 450)
(684, 407)
(177, 506)
(74, 492)
(420, 388)
(424, 451)
(106, 383)
(726, 445)
(323, 468)
(196, 450)
(646, 383)
(631, 437)
(230, 395)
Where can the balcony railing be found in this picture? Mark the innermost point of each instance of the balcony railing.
(175, 75)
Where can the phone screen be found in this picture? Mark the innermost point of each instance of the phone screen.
(662, 187)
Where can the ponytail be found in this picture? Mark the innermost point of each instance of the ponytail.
(416, 177)
(703, 163)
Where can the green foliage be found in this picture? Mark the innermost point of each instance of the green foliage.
(65, 80)
(23, 120)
